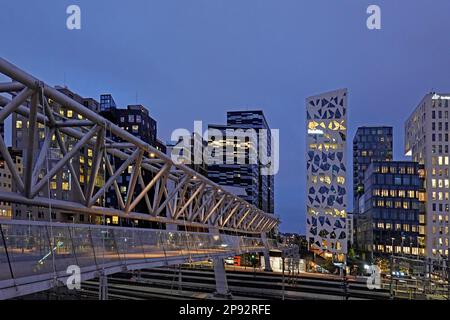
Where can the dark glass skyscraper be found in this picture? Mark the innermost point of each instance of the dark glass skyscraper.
(369, 144)
(136, 120)
(259, 187)
(392, 212)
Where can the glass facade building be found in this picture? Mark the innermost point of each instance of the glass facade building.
(259, 187)
(392, 213)
(427, 142)
(136, 120)
(369, 144)
(62, 185)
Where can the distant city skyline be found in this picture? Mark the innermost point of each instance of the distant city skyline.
(189, 61)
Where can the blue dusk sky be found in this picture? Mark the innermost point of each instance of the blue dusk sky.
(188, 60)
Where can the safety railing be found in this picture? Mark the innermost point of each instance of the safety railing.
(35, 248)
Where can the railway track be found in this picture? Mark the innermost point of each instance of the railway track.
(163, 283)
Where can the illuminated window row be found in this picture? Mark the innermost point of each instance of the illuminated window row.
(440, 196)
(326, 179)
(393, 193)
(440, 251)
(325, 146)
(330, 212)
(442, 172)
(439, 242)
(440, 160)
(398, 249)
(440, 183)
(397, 226)
(439, 230)
(332, 125)
(395, 204)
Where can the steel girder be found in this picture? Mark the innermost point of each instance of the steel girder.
(175, 193)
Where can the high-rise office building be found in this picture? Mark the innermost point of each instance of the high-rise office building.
(392, 211)
(369, 144)
(185, 151)
(258, 186)
(107, 103)
(136, 120)
(6, 184)
(327, 173)
(64, 185)
(427, 142)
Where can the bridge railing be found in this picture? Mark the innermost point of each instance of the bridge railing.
(35, 248)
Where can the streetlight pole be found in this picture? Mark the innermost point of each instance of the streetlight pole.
(282, 286)
(410, 247)
(391, 286)
(403, 239)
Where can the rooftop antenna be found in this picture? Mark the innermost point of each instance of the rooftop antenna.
(64, 81)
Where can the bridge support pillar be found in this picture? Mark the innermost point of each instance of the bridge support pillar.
(221, 279)
(267, 266)
(103, 287)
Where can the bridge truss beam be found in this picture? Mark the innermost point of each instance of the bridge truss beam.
(175, 194)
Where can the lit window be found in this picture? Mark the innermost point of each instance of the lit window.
(19, 124)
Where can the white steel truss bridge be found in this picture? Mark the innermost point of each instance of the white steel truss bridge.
(34, 255)
(176, 194)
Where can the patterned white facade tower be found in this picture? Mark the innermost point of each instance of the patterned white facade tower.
(326, 167)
